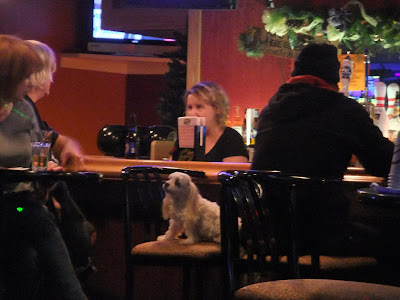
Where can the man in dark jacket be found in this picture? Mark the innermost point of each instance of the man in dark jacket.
(309, 128)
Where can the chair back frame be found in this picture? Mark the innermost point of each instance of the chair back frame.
(246, 194)
(143, 187)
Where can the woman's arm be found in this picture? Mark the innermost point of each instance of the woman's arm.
(68, 151)
(233, 147)
(236, 159)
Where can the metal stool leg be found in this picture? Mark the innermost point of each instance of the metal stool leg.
(199, 281)
(186, 282)
(127, 237)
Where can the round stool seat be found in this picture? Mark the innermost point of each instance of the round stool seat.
(312, 289)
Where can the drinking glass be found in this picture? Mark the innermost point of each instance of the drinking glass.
(40, 143)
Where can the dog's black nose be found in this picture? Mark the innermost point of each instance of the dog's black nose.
(166, 184)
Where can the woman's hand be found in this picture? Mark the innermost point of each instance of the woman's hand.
(69, 152)
(52, 166)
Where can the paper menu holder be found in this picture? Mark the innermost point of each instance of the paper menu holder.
(192, 134)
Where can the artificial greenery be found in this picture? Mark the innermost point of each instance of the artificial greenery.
(171, 104)
(350, 27)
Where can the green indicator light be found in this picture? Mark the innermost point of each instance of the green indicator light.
(19, 209)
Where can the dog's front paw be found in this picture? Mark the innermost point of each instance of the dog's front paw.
(166, 237)
(187, 241)
(161, 238)
(217, 240)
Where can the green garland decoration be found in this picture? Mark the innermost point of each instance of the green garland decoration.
(350, 27)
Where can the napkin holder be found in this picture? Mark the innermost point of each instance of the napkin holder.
(192, 136)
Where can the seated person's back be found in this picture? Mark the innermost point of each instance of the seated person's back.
(308, 128)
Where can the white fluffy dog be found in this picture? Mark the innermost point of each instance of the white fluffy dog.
(189, 212)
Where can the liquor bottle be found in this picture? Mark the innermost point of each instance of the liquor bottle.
(248, 120)
(228, 121)
(251, 115)
(254, 131)
(347, 71)
(237, 123)
(244, 128)
(369, 107)
(131, 140)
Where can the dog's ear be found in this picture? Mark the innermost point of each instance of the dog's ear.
(191, 204)
(166, 207)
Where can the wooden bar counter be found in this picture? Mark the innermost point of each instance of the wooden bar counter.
(102, 202)
(111, 167)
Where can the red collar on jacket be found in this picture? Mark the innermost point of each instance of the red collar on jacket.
(313, 80)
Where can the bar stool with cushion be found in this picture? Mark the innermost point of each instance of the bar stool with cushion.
(144, 195)
(267, 245)
(311, 289)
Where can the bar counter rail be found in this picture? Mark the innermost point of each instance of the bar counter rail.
(111, 168)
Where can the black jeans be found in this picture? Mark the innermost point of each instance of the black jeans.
(74, 227)
(32, 250)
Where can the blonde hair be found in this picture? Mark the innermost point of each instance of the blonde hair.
(214, 95)
(18, 61)
(49, 65)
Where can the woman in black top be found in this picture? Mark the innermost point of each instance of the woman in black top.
(223, 144)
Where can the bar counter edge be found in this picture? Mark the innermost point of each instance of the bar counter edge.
(111, 167)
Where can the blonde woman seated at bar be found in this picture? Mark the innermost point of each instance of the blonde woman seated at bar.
(222, 143)
(75, 228)
(67, 151)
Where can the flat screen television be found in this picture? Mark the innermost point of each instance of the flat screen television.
(95, 39)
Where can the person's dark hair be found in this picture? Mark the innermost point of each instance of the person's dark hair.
(319, 60)
(17, 61)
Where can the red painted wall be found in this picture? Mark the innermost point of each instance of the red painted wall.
(143, 94)
(248, 82)
(82, 102)
(50, 21)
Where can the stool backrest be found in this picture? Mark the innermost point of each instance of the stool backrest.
(265, 202)
(144, 193)
(143, 199)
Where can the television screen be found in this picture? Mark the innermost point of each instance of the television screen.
(100, 40)
(184, 4)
